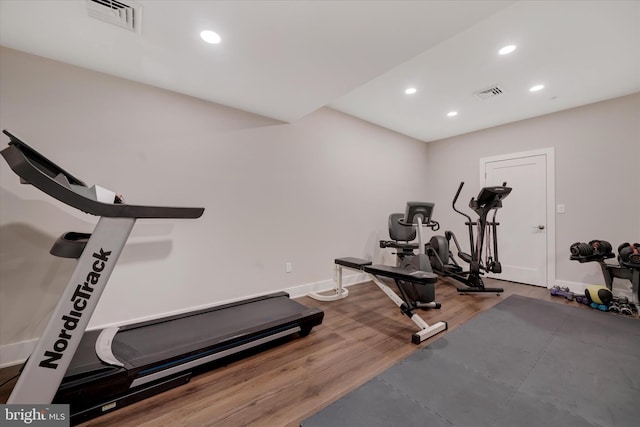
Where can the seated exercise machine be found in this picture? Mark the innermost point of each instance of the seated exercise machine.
(438, 249)
(628, 266)
(407, 305)
(403, 229)
(102, 370)
(416, 287)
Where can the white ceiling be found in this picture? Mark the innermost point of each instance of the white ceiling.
(285, 59)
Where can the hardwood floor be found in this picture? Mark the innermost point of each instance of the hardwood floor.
(360, 337)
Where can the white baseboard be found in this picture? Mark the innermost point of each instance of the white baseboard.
(578, 288)
(326, 285)
(575, 287)
(16, 353)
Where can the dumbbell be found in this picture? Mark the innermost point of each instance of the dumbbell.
(601, 246)
(581, 249)
(622, 306)
(565, 292)
(628, 253)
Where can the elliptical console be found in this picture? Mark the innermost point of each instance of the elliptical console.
(489, 198)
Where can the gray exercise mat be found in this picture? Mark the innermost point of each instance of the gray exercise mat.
(525, 362)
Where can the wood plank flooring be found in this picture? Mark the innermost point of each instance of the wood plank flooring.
(360, 337)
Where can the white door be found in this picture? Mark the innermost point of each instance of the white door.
(526, 246)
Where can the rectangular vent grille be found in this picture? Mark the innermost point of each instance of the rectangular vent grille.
(125, 14)
(489, 92)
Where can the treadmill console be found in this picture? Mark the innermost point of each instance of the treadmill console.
(45, 165)
(35, 169)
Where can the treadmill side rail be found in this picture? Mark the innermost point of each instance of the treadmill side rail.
(48, 363)
(103, 347)
(210, 358)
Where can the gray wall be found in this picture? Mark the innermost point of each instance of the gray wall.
(597, 153)
(304, 193)
(274, 193)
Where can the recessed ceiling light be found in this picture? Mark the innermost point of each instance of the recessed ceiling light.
(507, 49)
(210, 37)
(452, 113)
(411, 91)
(536, 88)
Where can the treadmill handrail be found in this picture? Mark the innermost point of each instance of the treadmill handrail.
(31, 167)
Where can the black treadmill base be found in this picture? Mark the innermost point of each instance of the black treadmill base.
(130, 397)
(166, 353)
(114, 403)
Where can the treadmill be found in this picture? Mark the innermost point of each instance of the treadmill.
(99, 371)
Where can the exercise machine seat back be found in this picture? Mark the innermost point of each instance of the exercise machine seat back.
(399, 231)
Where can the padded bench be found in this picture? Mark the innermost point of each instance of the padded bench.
(353, 263)
(419, 277)
(397, 274)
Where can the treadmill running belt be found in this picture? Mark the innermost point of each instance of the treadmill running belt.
(140, 346)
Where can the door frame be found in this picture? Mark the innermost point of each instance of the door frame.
(549, 153)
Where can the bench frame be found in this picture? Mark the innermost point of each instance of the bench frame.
(375, 272)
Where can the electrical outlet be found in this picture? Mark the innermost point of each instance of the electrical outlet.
(288, 267)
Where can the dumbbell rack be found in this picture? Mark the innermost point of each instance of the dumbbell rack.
(624, 270)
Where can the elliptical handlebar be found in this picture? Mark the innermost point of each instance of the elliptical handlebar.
(455, 199)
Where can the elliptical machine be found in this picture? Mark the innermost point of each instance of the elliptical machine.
(442, 260)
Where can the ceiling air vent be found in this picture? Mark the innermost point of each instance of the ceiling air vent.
(489, 92)
(124, 13)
